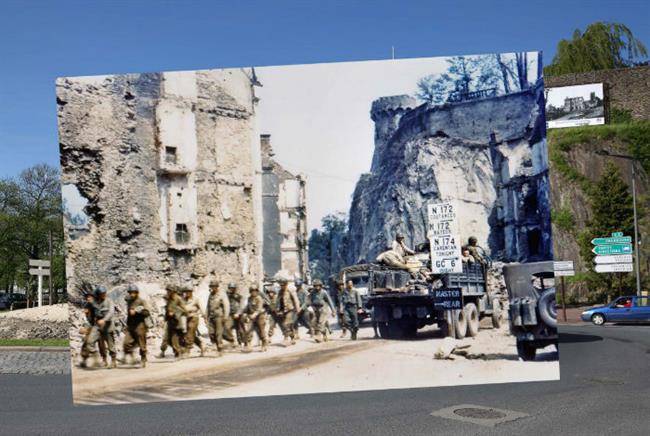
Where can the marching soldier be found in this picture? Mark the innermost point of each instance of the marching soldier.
(288, 306)
(194, 311)
(350, 306)
(137, 324)
(303, 317)
(218, 310)
(319, 300)
(233, 321)
(89, 311)
(176, 323)
(339, 314)
(272, 310)
(102, 329)
(255, 318)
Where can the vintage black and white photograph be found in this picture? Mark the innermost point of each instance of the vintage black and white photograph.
(571, 106)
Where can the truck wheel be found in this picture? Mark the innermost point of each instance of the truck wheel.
(460, 324)
(471, 314)
(410, 330)
(396, 330)
(526, 351)
(547, 309)
(497, 313)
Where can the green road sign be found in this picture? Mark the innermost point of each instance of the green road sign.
(612, 249)
(612, 240)
(617, 234)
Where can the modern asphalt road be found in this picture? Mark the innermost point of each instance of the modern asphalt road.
(604, 389)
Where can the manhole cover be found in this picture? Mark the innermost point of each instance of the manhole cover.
(481, 415)
(474, 412)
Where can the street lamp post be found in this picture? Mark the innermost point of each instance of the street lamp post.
(637, 251)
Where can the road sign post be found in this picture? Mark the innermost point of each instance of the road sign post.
(562, 269)
(42, 269)
(613, 254)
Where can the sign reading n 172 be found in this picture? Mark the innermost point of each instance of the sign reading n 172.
(444, 237)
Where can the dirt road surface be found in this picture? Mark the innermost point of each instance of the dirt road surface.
(338, 365)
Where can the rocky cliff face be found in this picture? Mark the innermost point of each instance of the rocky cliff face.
(487, 155)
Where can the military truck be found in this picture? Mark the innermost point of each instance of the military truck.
(401, 304)
(533, 312)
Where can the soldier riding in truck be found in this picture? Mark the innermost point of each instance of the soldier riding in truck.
(404, 295)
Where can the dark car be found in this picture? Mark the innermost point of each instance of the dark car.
(623, 309)
(11, 301)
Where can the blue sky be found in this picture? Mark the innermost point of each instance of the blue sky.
(40, 41)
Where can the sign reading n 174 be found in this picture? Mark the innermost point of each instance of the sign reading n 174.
(444, 237)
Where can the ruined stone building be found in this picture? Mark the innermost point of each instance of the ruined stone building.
(285, 218)
(487, 155)
(168, 166)
(573, 104)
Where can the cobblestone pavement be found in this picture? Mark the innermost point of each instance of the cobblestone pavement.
(34, 362)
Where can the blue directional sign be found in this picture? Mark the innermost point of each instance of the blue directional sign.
(612, 249)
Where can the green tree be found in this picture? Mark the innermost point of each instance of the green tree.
(611, 211)
(327, 246)
(601, 46)
(30, 209)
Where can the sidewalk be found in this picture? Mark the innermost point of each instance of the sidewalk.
(34, 360)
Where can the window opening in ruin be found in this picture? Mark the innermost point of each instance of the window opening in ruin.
(181, 234)
(534, 241)
(170, 155)
(530, 204)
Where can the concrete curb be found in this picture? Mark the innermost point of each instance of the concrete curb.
(34, 349)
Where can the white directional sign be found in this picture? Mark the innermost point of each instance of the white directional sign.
(563, 268)
(39, 263)
(566, 272)
(614, 267)
(615, 258)
(39, 268)
(444, 237)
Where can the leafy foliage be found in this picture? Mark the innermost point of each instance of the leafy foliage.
(30, 207)
(609, 193)
(563, 219)
(327, 246)
(601, 46)
(466, 74)
(611, 211)
(620, 116)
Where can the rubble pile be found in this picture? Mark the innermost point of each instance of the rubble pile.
(46, 322)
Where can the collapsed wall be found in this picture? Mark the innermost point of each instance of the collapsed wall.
(165, 163)
(284, 212)
(488, 155)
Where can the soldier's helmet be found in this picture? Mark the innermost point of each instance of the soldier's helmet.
(298, 282)
(132, 288)
(472, 240)
(399, 236)
(232, 286)
(271, 289)
(170, 288)
(317, 282)
(188, 288)
(214, 283)
(283, 281)
(100, 290)
(253, 287)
